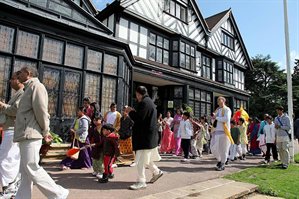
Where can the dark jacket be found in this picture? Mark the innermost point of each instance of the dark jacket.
(111, 145)
(98, 139)
(145, 132)
(126, 127)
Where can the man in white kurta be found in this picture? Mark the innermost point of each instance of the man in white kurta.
(220, 142)
(10, 151)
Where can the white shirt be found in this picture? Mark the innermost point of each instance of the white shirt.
(185, 129)
(111, 117)
(168, 120)
(270, 132)
(225, 118)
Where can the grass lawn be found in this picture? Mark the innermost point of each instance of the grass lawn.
(272, 180)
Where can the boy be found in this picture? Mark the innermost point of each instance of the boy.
(97, 150)
(186, 132)
(270, 133)
(235, 133)
(110, 151)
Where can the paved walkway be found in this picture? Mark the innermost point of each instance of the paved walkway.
(183, 180)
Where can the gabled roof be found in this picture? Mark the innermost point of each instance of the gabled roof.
(72, 15)
(87, 5)
(214, 22)
(199, 15)
(118, 6)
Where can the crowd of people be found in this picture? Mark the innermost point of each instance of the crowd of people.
(101, 139)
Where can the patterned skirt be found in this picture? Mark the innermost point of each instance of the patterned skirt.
(125, 146)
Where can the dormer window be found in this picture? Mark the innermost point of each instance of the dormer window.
(228, 40)
(175, 9)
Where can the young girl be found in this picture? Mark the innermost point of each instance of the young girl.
(111, 151)
(97, 150)
(186, 132)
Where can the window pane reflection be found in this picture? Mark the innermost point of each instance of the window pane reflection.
(5, 63)
(94, 60)
(6, 38)
(92, 87)
(53, 50)
(51, 79)
(70, 94)
(74, 55)
(110, 64)
(108, 93)
(28, 44)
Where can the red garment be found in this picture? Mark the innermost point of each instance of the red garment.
(167, 144)
(108, 161)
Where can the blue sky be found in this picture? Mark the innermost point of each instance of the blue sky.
(260, 22)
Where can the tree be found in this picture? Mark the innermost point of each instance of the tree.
(267, 85)
(295, 78)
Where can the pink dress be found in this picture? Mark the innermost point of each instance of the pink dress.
(166, 144)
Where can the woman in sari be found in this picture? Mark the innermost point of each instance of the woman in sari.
(176, 124)
(166, 145)
(254, 144)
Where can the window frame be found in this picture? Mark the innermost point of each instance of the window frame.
(204, 56)
(228, 40)
(157, 47)
(177, 10)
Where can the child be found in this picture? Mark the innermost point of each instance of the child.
(235, 133)
(196, 141)
(110, 151)
(270, 133)
(186, 132)
(97, 150)
(243, 137)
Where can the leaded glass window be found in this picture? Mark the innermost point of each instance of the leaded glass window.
(20, 63)
(6, 38)
(5, 63)
(94, 60)
(110, 64)
(70, 94)
(28, 44)
(51, 80)
(92, 87)
(53, 50)
(74, 55)
(108, 93)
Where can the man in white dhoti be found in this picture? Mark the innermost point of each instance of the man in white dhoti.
(10, 151)
(221, 138)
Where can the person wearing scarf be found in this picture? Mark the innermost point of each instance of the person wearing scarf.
(221, 139)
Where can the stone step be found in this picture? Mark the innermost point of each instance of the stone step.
(217, 188)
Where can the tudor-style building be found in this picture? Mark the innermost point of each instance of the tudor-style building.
(180, 56)
(75, 55)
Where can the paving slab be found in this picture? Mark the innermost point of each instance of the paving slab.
(219, 188)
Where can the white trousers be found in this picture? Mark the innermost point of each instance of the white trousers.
(9, 159)
(146, 158)
(32, 172)
(235, 150)
(220, 146)
(243, 149)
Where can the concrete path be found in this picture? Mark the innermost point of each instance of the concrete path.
(178, 178)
